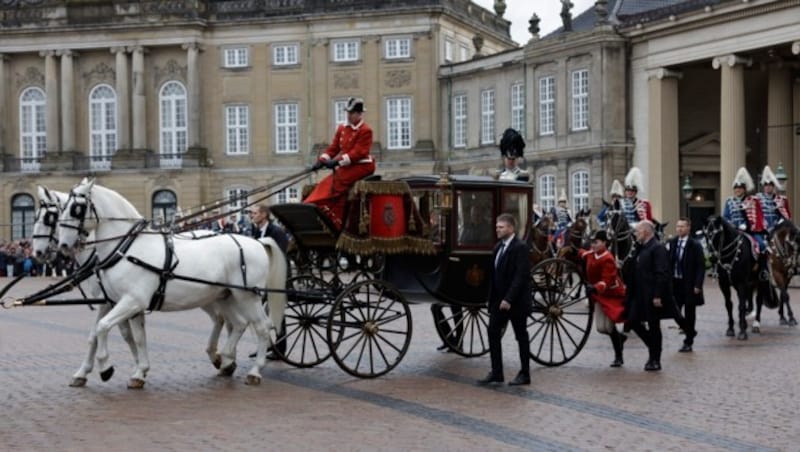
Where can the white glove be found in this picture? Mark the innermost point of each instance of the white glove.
(742, 227)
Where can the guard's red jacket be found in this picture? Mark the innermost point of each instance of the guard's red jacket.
(350, 147)
(602, 274)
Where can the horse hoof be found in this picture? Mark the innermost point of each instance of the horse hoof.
(217, 361)
(750, 315)
(792, 322)
(783, 321)
(756, 330)
(78, 382)
(742, 336)
(228, 370)
(730, 333)
(107, 374)
(253, 380)
(135, 383)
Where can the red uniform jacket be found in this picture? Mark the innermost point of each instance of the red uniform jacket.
(350, 147)
(602, 274)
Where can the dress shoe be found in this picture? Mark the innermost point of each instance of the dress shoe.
(652, 366)
(443, 348)
(522, 378)
(491, 378)
(686, 348)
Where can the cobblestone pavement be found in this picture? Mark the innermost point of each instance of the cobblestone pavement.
(727, 395)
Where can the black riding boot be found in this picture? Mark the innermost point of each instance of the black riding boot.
(617, 340)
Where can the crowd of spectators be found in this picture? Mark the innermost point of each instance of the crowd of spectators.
(16, 258)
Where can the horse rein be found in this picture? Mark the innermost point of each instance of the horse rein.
(723, 252)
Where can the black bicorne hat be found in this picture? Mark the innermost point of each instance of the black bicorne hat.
(512, 144)
(355, 104)
(600, 235)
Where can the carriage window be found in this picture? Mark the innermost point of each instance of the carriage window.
(165, 203)
(475, 219)
(516, 204)
(423, 199)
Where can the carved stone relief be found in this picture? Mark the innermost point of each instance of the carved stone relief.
(345, 80)
(101, 72)
(31, 76)
(398, 78)
(171, 70)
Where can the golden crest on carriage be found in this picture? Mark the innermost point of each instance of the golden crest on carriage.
(389, 216)
(475, 276)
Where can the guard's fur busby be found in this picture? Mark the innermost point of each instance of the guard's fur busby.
(616, 189)
(768, 177)
(512, 144)
(633, 181)
(743, 179)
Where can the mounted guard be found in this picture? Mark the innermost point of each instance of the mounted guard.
(511, 148)
(745, 213)
(774, 205)
(615, 205)
(634, 208)
(562, 218)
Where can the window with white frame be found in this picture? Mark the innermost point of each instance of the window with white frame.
(237, 129)
(287, 195)
(460, 121)
(487, 117)
(102, 126)
(345, 51)
(580, 190)
(464, 52)
(580, 100)
(172, 120)
(518, 108)
(398, 48)
(236, 57)
(547, 105)
(286, 124)
(398, 122)
(285, 54)
(547, 192)
(32, 133)
(22, 216)
(339, 112)
(448, 51)
(237, 198)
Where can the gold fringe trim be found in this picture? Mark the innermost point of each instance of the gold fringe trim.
(379, 245)
(382, 187)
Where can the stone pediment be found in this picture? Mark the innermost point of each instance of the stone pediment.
(704, 145)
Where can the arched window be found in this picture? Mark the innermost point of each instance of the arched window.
(172, 123)
(580, 190)
(32, 128)
(165, 204)
(102, 126)
(22, 216)
(547, 192)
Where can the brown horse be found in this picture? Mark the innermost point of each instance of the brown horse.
(539, 240)
(784, 263)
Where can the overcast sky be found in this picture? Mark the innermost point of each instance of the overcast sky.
(519, 13)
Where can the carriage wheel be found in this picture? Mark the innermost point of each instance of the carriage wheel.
(561, 319)
(369, 328)
(466, 331)
(306, 322)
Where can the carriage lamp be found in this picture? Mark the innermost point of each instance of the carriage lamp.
(780, 174)
(687, 188)
(444, 196)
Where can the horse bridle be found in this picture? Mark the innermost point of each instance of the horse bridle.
(50, 213)
(615, 236)
(723, 252)
(80, 204)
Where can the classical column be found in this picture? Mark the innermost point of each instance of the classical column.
(67, 100)
(193, 80)
(732, 121)
(663, 188)
(51, 93)
(138, 99)
(3, 84)
(122, 87)
(780, 132)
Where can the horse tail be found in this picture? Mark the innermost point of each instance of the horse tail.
(276, 280)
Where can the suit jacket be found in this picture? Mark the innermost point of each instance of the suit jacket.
(276, 232)
(511, 278)
(693, 268)
(651, 279)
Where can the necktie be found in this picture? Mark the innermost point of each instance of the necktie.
(499, 255)
(679, 264)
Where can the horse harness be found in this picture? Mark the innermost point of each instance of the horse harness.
(724, 252)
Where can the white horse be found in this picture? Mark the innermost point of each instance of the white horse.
(229, 271)
(43, 245)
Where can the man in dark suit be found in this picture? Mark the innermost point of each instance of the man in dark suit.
(688, 271)
(262, 227)
(649, 297)
(509, 300)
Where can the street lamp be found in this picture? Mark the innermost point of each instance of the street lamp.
(687, 191)
(780, 174)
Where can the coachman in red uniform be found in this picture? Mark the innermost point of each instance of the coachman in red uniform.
(605, 287)
(348, 157)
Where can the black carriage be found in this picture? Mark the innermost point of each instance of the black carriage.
(416, 239)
